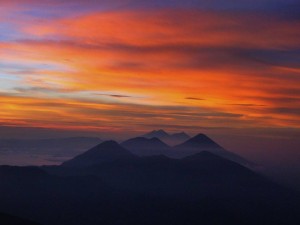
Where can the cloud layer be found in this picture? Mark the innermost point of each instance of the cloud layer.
(106, 68)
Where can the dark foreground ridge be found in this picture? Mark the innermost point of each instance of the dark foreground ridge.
(6, 219)
(110, 185)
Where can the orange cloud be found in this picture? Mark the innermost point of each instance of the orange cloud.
(167, 59)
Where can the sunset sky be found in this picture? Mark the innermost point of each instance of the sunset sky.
(120, 65)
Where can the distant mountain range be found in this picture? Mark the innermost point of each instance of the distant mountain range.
(171, 139)
(116, 184)
(109, 185)
(144, 146)
(150, 144)
(121, 169)
(105, 152)
(146, 181)
(201, 142)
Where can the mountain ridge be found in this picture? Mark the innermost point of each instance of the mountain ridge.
(203, 187)
(103, 152)
(171, 139)
(143, 146)
(202, 142)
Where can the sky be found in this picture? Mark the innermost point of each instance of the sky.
(115, 67)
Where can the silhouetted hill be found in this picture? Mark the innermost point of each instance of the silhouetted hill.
(200, 140)
(105, 152)
(224, 170)
(209, 174)
(218, 189)
(200, 143)
(109, 185)
(182, 136)
(52, 199)
(6, 219)
(144, 147)
(156, 133)
(12, 173)
(203, 188)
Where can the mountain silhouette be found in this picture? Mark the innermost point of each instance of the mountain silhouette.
(164, 176)
(171, 139)
(200, 140)
(157, 134)
(200, 143)
(142, 146)
(105, 152)
(16, 173)
(145, 147)
(6, 219)
(182, 136)
(203, 188)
